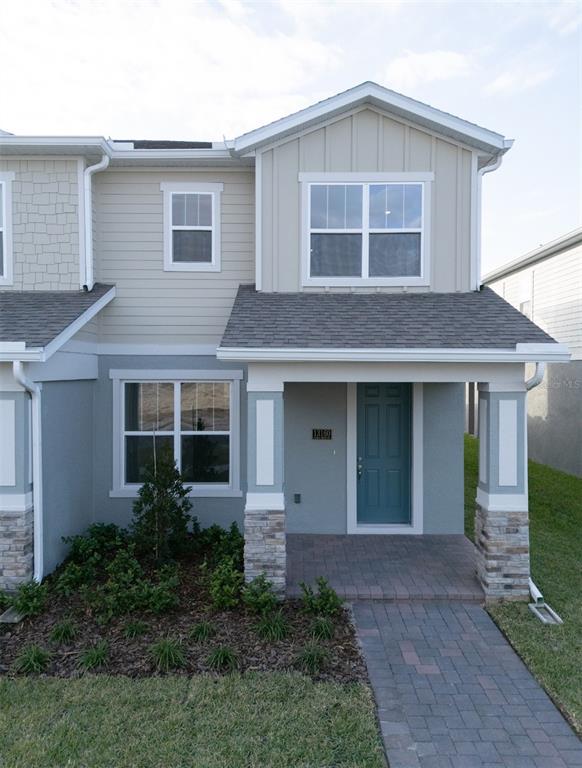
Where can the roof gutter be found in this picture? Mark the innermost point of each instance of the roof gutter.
(38, 535)
(88, 280)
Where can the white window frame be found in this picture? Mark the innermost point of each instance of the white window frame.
(7, 273)
(195, 188)
(120, 378)
(308, 179)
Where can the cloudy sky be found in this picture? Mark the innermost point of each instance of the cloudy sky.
(204, 70)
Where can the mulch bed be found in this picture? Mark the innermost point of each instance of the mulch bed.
(234, 628)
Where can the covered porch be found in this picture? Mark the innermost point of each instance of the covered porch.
(316, 364)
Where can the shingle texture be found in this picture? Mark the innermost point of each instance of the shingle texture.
(163, 144)
(377, 320)
(37, 317)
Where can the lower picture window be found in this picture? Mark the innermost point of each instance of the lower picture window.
(187, 422)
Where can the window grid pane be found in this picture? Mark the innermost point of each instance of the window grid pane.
(192, 246)
(191, 209)
(149, 407)
(1, 206)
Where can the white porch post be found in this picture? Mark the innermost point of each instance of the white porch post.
(265, 550)
(502, 518)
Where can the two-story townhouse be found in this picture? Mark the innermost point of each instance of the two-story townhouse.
(291, 315)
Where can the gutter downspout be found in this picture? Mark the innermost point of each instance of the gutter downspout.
(492, 166)
(38, 538)
(88, 203)
(539, 607)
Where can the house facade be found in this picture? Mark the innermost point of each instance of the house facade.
(292, 316)
(546, 285)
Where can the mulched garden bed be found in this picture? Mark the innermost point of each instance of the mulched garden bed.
(235, 628)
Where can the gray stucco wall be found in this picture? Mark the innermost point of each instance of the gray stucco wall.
(555, 417)
(221, 510)
(443, 458)
(67, 466)
(315, 468)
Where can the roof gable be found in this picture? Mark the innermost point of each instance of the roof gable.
(482, 139)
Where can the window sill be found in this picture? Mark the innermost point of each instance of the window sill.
(363, 282)
(204, 492)
(191, 267)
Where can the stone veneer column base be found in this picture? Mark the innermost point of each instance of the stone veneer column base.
(502, 540)
(16, 548)
(265, 548)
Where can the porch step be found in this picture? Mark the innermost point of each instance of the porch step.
(474, 595)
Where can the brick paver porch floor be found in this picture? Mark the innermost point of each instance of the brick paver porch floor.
(428, 567)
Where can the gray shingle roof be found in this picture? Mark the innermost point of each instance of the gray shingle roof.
(37, 317)
(377, 320)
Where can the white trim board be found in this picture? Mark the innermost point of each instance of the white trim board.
(374, 94)
(151, 350)
(417, 473)
(522, 353)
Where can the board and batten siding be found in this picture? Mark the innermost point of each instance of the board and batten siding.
(554, 287)
(153, 306)
(366, 140)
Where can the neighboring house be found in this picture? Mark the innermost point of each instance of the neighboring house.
(292, 315)
(546, 286)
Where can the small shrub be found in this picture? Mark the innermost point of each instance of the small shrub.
(4, 601)
(161, 513)
(95, 656)
(74, 576)
(258, 595)
(30, 598)
(219, 544)
(202, 631)
(272, 627)
(322, 628)
(32, 660)
(162, 597)
(312, 658)
(99, 543)
(135, 629)
(168, 654)
(223, 659)
(325, 602)
(64, 632)
(225, 584)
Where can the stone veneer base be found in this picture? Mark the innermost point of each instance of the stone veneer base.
(265, 547)
(16, 548)
(502, 540)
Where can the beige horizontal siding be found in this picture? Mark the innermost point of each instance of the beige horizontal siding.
(153, 306)
(367, 141)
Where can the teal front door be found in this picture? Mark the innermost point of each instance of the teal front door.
(384, 455)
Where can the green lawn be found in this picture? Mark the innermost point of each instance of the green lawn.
(204, 722)
(554, 654)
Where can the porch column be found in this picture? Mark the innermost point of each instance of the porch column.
(502, 518)
(16, 512)
(265, 550)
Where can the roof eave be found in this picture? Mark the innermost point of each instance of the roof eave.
(521, 353)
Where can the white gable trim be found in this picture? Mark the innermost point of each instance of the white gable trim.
(422, 114)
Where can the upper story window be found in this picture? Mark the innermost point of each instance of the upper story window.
(366, 232)
(6, 228)
(191, 226)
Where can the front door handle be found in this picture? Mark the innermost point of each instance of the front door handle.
(360, 467)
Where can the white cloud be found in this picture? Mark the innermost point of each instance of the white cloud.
(412, 69)
(565, 17)
(518, 80)
(154, 69)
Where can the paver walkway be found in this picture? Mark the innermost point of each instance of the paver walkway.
(429, 567)
(452, 693)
